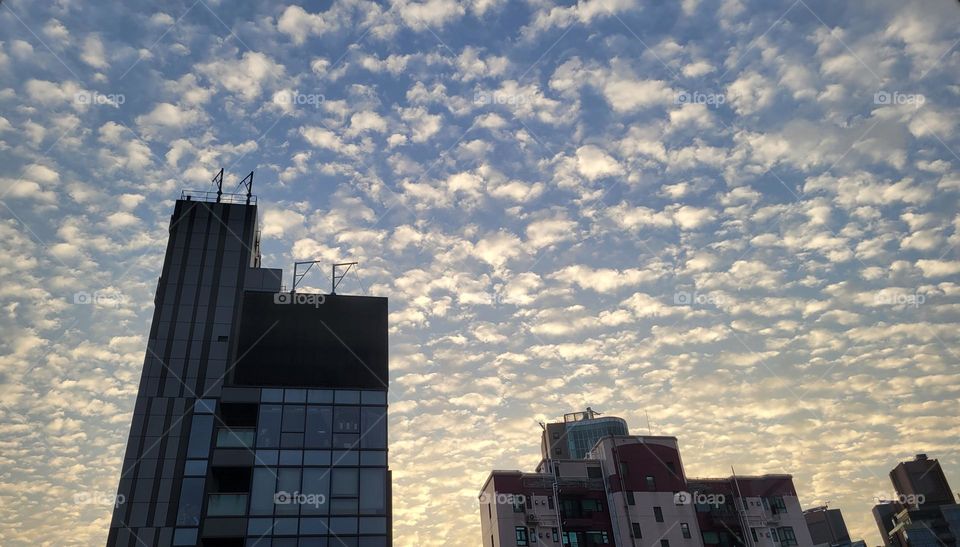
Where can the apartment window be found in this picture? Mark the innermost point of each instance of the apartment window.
(787, 537)
(624, 470)
(594, 473)
(651, 482)
(591, 506)
(630, 499)
(521, 532)
(637, 532)
(597, 538)
(664, 543)
(658, 514)
(753, 532)
(773, 534)
(517, 504)
(778, 506)
(685, 530)
(533, 535)
(550, 502)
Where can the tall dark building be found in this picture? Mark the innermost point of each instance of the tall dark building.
(261, 416)
(826, 526)
(924, 513)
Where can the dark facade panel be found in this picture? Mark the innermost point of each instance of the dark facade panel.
(325, 341)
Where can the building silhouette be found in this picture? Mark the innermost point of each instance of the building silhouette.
(260, 418)
(924, 512)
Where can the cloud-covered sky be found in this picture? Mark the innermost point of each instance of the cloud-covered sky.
(739, 217)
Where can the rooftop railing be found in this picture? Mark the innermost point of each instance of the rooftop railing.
(212, 197)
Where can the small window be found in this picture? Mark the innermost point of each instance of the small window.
(221, 338)
(685, 530)
(533, 535)
(517, 504)
(594, 473)
(658, 514)
(753, 532)
(651, 482)
(671, 468)
(630, 499)
(773, 534)
(554, 535)
(637, 533)
(521, 532)
(664, 543)
(787, 537)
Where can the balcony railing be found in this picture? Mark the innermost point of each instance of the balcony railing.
(236, 438)
(226, 505)
(211, 197)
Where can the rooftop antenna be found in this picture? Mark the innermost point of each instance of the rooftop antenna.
(248, 181)
(297, 276)
(336, 279)
(218, 180)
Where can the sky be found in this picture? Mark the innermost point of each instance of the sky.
(738, 218)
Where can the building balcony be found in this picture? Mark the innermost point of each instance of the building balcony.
(236, 438)
(226, 505)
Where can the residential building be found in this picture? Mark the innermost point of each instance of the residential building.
(576, 434)
(260, 418)
(633, 490)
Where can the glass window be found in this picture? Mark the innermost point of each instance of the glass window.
(373, 458)
(685, 529)
(658, 514)
(343, 506)
(373, 484)
(293, 418)
(637, 533)
(285, 527)
(343, 525)
(373, 397)
(288, 481)
(664, 543)
(313, 525)
(261, 493)
(316, 457)
(651, 482)
(271, 395)
(268, 431)
(316, 486)
(347, 397)
(295, 395)
(320, 396)
(205, 406)
(521, 532)
(346, 457)
(374, 432)
(201, 432)
(373, 525)
(343, 482)
(346, 419)
(291, 457)
(191, 498)
(630, 499)
(345, 440)
(291, 440)
(319, 427)
(267, 457)
(259, 527)
(219, 505)
(194, 468)
(185, 536)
